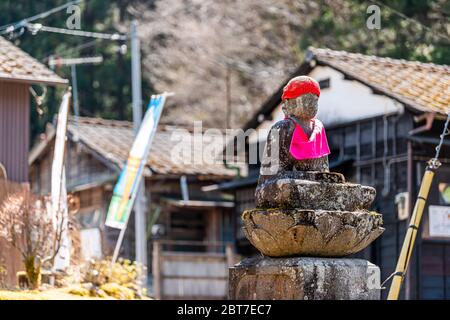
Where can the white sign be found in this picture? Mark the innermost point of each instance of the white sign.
(439, 221)
(91, 243)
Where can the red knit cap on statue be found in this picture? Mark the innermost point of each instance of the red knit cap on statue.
(299, 86)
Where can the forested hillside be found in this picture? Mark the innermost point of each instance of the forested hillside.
(199, 48)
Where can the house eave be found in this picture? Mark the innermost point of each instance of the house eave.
(409, 104)
(34, 80)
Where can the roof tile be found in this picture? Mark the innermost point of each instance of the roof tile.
(113, 139)
(17, 65)
(423, 86)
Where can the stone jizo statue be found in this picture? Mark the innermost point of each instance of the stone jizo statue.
(306, 217)
(300, 138)
(301, 207)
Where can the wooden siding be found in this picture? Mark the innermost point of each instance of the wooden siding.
(378, 149)
(10, 259)
(92, 181)
(435, 266)
(191, 275)
(81, 169)
(14, 129)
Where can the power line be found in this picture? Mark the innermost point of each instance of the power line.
(8, 28)
(34, 28)
(71, 49)
(402, 15)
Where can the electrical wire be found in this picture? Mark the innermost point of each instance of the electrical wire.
(11, 27)
(80, 33)
(402, 15)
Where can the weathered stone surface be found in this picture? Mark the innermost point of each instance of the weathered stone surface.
(277, 157)
(330, 177)
(291, 232)
(313, 195)
(304, 279)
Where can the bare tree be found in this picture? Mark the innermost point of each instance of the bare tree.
(232, 54)
(199, 48)
(27, 224)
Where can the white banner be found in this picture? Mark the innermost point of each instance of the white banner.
(58, 186)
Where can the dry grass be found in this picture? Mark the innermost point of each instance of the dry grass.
(54, 294)
(113, 292)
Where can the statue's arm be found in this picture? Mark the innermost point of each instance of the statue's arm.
(276, 156)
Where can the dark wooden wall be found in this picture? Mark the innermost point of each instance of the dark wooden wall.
(378, 151)
(82, 168)
(375, 152)
(14, 129)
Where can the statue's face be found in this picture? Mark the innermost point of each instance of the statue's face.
(304, 107)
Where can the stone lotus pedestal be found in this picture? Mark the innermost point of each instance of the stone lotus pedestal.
(320, 233)
(311, 214)
(304, 223)
(303, 278)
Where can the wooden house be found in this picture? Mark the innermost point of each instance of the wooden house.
(18, 72)
(190, 231)
(383, 118)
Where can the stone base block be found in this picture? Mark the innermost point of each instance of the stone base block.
(313, 195)
(303, 278)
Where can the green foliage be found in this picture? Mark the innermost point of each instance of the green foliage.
(422, 37)
(104, 89)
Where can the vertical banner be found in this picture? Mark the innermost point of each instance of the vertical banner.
(58, 187)
(126, 188)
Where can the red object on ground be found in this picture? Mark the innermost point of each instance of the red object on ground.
(300, 86)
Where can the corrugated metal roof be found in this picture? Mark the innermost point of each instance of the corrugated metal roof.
(17, 65)
(112, 140)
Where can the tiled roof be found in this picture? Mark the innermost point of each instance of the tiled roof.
(16, 65)
(423, 86)
(112, 140)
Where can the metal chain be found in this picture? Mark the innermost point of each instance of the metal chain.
(435, 163)
(446, 132)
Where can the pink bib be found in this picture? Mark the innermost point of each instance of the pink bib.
(314, 147)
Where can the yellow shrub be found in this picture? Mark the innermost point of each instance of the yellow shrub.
(117, 291)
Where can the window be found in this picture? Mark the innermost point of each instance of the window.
(444, 193)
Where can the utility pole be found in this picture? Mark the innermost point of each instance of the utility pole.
(140, 204)
(76, 108)
(73, 62)
(228, 98)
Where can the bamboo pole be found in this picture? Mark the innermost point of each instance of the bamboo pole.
(410, 238)
(408, 244)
